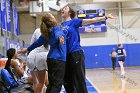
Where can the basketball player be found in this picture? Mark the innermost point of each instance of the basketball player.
(121, 58)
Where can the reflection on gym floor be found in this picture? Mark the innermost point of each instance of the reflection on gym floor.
(108, 81)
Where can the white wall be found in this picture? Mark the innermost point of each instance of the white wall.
(110, 37)
(131, 25)
(94, 39)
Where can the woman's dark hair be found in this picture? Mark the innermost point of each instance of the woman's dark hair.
(10, 53)
(72, 13)
(46, 45)
(46, 24)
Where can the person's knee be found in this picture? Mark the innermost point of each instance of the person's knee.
(40, 83)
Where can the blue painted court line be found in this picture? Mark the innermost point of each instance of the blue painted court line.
(90, 88)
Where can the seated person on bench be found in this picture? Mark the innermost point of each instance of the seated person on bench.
(17, 68)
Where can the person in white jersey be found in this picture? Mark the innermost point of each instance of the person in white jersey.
(36, 61)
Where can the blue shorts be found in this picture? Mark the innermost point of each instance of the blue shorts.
(122, 58)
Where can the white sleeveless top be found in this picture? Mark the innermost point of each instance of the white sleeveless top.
(35, 36)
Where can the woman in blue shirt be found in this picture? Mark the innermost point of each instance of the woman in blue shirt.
(75, 66)
(121, 58)
(56, 58)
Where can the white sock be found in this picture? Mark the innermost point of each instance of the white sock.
(122, 73)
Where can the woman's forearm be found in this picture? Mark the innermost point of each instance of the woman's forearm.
(93, 20)
(98, 19)
(40, 41)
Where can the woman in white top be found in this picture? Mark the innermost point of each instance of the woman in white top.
(36, 61)
(16, 68)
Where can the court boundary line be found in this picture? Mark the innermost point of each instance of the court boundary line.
(93, 85)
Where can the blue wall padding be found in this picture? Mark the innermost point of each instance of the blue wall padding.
(98, 56)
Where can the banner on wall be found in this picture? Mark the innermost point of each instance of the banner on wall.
(3, 15)
(12, 44)
(95, 27)
(15, 21)
(8, 15)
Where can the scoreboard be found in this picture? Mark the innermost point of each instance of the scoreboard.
(95, 27)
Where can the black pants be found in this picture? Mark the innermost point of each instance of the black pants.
(56, 71)
(113, 62)
(74, 80)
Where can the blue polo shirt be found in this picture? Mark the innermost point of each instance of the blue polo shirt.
(57, 51)
(70, 28)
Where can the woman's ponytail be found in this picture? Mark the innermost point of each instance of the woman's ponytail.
(10, 54)
(44, 29)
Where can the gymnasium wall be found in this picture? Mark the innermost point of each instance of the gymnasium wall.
(28, 26)
(97, 46)
(98, 56)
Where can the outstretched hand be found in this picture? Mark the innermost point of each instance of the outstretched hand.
(23, 50)
(61, 40)
(110, 16)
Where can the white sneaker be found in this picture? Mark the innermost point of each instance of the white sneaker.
(122, 76)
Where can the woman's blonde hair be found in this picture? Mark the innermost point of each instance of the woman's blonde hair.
(46, 24)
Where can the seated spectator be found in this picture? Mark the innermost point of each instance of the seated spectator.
(17, 68)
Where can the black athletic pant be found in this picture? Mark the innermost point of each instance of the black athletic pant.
(74, 80)
(113, 63)
(56, 71)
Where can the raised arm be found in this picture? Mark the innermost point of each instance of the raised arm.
(40, 41)
(97, 19)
